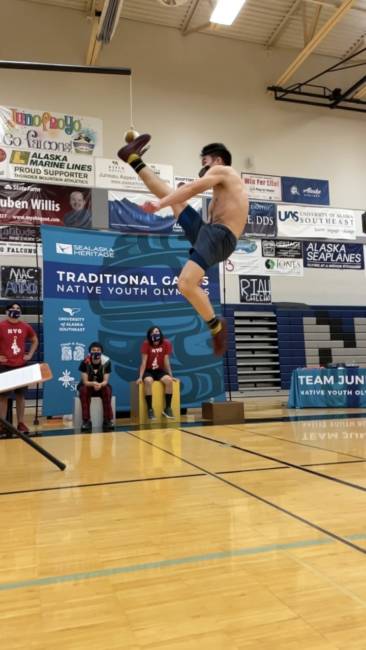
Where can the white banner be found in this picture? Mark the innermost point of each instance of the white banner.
(282, 266)
(20, 248)
(246, 259)
(307, 222)
(43, 131)
(43, 167)
(262, 188)
(179, 181)
(114, 174)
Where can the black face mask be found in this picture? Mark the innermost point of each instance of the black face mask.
(155, 338)
(14, 313)
(95, 356)
(203, 170)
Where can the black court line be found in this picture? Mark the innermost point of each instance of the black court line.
(324, 531)
(296, 442)
(301, 468)
(86, 485)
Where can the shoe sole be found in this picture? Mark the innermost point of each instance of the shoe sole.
(141, 141)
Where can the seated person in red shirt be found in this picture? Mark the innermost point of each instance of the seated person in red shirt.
(14, 335)
(155, 366)
(95, 371)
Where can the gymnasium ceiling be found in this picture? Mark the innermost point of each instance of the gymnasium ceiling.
(270, 23)
(333, 28)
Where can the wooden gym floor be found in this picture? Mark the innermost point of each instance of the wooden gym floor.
(188, 537)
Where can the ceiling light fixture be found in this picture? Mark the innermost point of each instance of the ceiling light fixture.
(226, 11)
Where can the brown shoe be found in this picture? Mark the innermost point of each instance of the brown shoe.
(219, 340)
(137, 146)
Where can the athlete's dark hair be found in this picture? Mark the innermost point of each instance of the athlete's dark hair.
(96, 344)
(217, 149)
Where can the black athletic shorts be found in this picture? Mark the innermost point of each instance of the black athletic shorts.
(212, 243)
(155, 374)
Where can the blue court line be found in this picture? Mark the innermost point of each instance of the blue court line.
(164, 564)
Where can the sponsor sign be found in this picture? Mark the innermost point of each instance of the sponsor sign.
(179, 181)
(115, 174)
(262, 188)
(295, 221)
(34, 204)
(44, 167)
(245, 259)
(49, 132)
(333, 255)
(4, 162)
(283, 266)
(255, 289)
(281, 248)
(19, 233)
(20, 248)
(21, 282)
(261, 220)
(305, 190)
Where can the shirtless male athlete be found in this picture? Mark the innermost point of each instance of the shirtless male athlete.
(212, 242)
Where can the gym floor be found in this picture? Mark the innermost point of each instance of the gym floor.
(190, 536)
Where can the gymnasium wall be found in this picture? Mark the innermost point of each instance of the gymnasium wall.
(188, 91)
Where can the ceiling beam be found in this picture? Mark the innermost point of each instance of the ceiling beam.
(313, 44)
(277, 33)
(94, 46)
(187, 21)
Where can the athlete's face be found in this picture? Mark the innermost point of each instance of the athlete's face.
(156, 336)
(207, 163)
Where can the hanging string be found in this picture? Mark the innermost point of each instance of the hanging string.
(131, 103)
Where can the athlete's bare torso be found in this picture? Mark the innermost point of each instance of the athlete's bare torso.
(229, 204)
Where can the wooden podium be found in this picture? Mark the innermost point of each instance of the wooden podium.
(138, 402)
(223, 412)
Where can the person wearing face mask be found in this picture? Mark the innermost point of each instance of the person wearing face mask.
(15, 335)
(95, 371)
(211, 242)
(155, 366)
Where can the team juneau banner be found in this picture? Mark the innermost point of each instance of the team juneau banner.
(51, 132)
(112, 288)
(333, 255)
(305, 190)
(295, 221)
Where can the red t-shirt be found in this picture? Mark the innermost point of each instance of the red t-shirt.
(13, 337)
(155, 355)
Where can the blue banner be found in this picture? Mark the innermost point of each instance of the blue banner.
(127, 216)
(333, 255)
(323, 387)
(262, 220)
(305, 190)
(112, 288)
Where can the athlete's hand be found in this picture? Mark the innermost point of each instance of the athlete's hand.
(151, 206)
(139, 381)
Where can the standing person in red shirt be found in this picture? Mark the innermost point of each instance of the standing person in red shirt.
(155, 366)
(14, 335)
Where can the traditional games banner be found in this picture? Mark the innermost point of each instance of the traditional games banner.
(33, 204)
(112, 288)
(46, 131)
